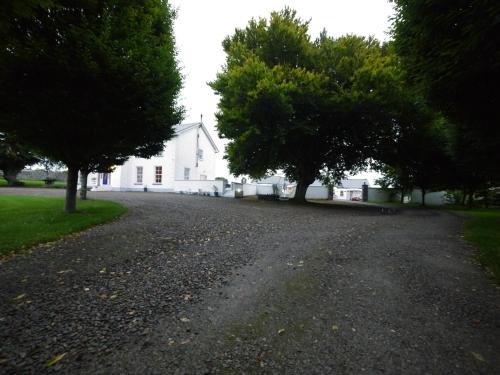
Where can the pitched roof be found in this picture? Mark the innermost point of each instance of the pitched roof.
(273, 180)
(182, 128)
(353, 183)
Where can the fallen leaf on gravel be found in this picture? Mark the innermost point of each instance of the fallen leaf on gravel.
(113, 296)
(103, 296)
(3, 360)
(55, 359)
(478, 356)
(281, 331)
(103, 270)
(184, 319)
(86, 289)
(20, 297)
(65, 271)
(335, 328)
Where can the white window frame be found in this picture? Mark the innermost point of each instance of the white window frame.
(158, 176)
(139, 174)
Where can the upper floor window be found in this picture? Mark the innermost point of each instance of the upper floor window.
(138, 175)
(158, 174)
(200, 154)
(186, 173)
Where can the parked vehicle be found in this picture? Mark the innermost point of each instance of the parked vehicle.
(356, 199)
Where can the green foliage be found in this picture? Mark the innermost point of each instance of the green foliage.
(417, 156)
(13, 158)
(27, 221)
(449, 49)
(89, 82)
(37, 183)
(483, 230)
(312, 109)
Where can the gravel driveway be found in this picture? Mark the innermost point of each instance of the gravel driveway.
(195, 285)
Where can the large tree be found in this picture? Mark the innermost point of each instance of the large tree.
(87, 80)
(13, 158)
(417, 155)
(309, 108)
(449, 49)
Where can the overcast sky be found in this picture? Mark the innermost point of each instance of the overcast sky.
(201, 26)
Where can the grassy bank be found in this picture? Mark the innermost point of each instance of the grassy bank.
(37, 183)
(483, 231)
(27, 221)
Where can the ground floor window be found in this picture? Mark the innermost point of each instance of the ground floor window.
(203, 176)
(186, 173)
(158, 174)
(138, 175)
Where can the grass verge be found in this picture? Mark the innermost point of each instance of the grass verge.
(37, 183)
(483, 231)
(26, 221)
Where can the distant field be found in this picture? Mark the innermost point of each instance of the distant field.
(28, 220)
(37, 183)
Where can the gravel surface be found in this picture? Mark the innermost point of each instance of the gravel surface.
(195, 285)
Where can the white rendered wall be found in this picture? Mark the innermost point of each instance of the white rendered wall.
(185, 152)
(249, 190)
(195, 186)
(207, 165)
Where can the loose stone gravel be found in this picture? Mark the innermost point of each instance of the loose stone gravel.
(194, 285)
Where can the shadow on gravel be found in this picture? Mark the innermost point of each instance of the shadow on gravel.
(376, 209)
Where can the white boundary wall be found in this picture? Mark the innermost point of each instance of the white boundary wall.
(249, 189)
(195, 186)
(264, 189)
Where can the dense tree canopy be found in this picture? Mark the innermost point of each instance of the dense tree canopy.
(450, 50)
(418, 153)
(311, 108)
(82, 81)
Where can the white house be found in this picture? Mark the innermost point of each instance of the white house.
(350, 188)
(187, 164)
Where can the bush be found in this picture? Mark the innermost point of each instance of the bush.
(49, 181)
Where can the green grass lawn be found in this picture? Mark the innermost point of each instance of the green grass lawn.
(483, 231)
(37, 183)
(26, 220)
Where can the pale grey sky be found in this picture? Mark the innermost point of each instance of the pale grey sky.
(201, 26)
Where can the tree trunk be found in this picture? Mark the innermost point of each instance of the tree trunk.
(301, 189)
(423, 196)
(464, 196)
(71, 186)
(402, 200)
(83, 184)
(470, 198)
(11, 176)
